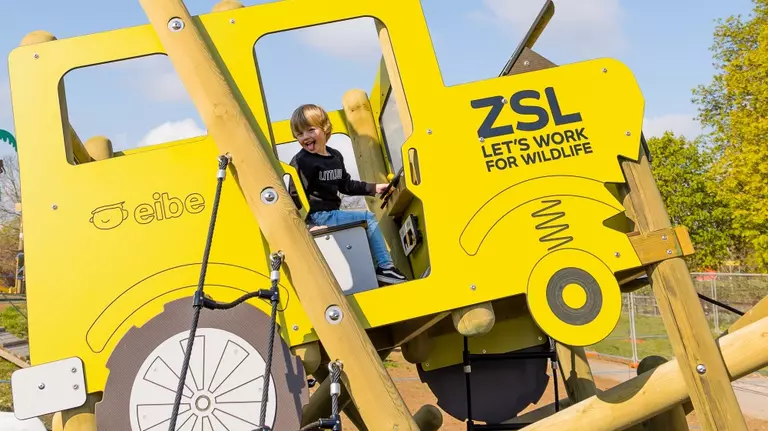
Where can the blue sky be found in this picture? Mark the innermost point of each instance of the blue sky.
(665, 43)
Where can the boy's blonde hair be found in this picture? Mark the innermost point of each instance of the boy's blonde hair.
(308, 115)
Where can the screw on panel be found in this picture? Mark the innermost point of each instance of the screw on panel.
(617, 254)
(605, 70)
(429, 131)
(663, 237)
(669, 251)
(175, 24)
(482, 139)
(55, 207)
(76, 387)
(473, 287)
(701, 368)
(526, 63)
(74, 370)
(629, 133)
(295, 327)
(41, 386)
(504, 101)
(349, 247)
(232, 21)
(36, 55)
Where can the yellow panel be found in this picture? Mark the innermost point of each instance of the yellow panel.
(95, 274)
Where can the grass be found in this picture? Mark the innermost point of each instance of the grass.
(651, 337)
(16, 324)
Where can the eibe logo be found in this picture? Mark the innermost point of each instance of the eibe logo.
(163, 207)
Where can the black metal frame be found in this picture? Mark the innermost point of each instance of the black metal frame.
(551, 354)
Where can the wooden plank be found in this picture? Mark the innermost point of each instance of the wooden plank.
(10, 357)
(711, 392)
(652, 247)
(254, 167)
(649, 394)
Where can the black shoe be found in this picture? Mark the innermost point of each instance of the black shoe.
(389, 275)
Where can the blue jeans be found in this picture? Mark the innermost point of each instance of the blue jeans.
(375, 239)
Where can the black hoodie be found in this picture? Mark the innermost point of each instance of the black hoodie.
(323, 177)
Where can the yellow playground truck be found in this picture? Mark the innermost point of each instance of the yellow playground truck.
(178, 287)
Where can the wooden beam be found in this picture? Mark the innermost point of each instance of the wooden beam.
(711, 393)
(662, 244)
(370, 164)
(577, 375)
(15, 360)
(255, 168)
(669, 420)
(651, 393)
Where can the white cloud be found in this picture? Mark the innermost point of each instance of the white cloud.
(680, 124)
(579, 28)
(356, 39)
(172, 131)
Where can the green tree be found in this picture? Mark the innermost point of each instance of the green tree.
(681, 169)
(735, 107)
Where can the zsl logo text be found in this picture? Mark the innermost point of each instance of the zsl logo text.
(496, 103)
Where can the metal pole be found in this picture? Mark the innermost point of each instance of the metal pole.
(632, 333)
(717, 309)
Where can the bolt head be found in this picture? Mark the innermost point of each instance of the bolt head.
(617, 254)
(429, 131)
(701, 368)
(74, 370)
(232, 21)
(628, 133)
(504, 101)
(482, 139)
(76, 387)
(41, 386)
(349, 247)
(473, 287)
(269, 196)
(663, 237)
(175, 24)
(36, 56)
(295, 327)
(55, 207)
(526, 63)
(605, 70)
(669, 251)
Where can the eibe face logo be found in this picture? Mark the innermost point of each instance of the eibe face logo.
(163, 207)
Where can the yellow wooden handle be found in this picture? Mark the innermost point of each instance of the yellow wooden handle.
(299, 188)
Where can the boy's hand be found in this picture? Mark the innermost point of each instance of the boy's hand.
(314, 228)
(380, 188)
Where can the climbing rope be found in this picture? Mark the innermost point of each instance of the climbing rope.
(334, 422)
(200, 301)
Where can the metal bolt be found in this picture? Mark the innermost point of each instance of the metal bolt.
(74, 370)
(473, 287)
(605, 70)
(663, 237)
(175, 24)
(36, 55)
(76, 387)
(526, 63)
(232, 21)
(484, 351)
(269, 195)
(629, 133)
(504, 101)
(333, 314)
(41, 386)
(55, 207)
(540, 339)
(482, 139)
(669, 251)
(295, 327)
(426, 364)
(429, 131)
(349, 247)
(701, 368)
(617, 254)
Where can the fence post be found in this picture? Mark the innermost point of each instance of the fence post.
(632, 333)
(716, 308)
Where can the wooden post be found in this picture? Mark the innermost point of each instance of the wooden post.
(651, 393)
(577, 375)
(370, 164)
(82, 418)
(255, 169)
(99, 148)
(711, 392)
(669, 420)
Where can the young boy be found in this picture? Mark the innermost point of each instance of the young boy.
(323, 176)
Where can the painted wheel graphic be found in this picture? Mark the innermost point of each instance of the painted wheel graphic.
(574, 297)
(224, 383)
(223, 388)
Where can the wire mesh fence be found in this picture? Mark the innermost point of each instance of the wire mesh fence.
(641, 332)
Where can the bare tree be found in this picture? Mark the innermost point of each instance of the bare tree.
(10, 188)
